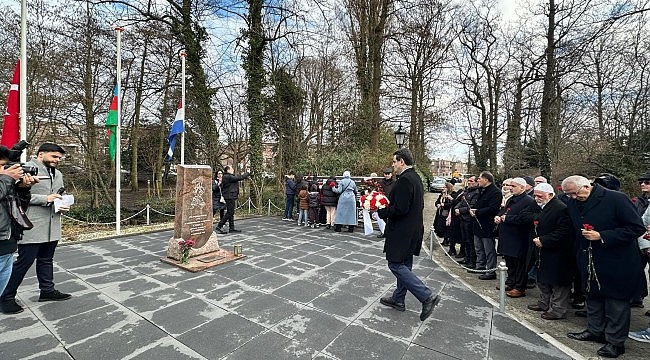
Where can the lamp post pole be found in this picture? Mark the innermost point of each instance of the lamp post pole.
(400, 134)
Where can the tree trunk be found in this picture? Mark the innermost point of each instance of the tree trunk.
(135, 128)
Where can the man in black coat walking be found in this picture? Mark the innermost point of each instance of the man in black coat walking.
(553, 246)
(404, 230)
(230, 192)
(606, 226)
(487, 207)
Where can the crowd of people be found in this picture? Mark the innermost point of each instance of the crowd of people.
(584, 244)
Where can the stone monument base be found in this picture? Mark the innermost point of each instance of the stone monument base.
(207, 256)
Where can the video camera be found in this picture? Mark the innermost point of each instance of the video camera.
(14, 158)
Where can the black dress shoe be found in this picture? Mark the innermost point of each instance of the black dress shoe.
(220, 230)
(586, 336)
(54, 295)
(10, 307)
(462, 262)
(488, 276)
(459, 256)
(234, 230)
(611, 351)
(581, 313)
(427, 306)
(388, 301)
(381, 236)
(647, 313)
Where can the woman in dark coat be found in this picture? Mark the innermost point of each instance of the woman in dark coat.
(330, 199)
(217, 205)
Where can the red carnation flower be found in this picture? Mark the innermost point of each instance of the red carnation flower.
(536, 222)
(587, 227)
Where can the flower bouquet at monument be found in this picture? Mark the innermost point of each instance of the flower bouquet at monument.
(184, 247)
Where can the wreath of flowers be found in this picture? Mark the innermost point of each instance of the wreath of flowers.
(373, 197)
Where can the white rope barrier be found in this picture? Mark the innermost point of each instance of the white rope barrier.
(433, 235)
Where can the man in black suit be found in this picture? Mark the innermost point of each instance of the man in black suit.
(606, 226)
(487, 207)
(404, 231)
(230, 193)
(554, 256)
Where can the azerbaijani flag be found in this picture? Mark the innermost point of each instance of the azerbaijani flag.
(111, 124)
(11, 125)
(178, 127)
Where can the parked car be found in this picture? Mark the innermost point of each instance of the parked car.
(438, 184)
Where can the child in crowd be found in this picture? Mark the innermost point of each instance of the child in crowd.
(314, 205)
(303, 201)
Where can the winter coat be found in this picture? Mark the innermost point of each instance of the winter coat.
(346, 208)
(230, 185)
(387, 185)
(47, 223)
(216, 196)
(303, 198)
(514, 231)
(555, 258)
(314, 199)
(404, 217)
(616, 259)
(468, 201)
(9, 233)
(641, 204)
(330, 198)
(289, 186)
(487, 206)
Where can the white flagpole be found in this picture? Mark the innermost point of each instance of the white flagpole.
(118, 140)
(23, 75)
(183, 56)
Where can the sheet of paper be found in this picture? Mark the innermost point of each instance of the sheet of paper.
(67, 200)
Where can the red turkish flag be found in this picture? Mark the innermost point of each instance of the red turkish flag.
(11, 126)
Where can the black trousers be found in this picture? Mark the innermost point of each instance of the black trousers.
(467, 235)
(609, 317)
(230, 214)
(517, 274)
(43, 254)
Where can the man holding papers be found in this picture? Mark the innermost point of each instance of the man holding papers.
(40, 242)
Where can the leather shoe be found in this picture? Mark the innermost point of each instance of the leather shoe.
(548, 316)
(536, 307)
(459, 256)
(488, 276)
(581, 313)
(586, 336)
(508, 287)
(647, 313)
(427, 306)
(514, 293)
(611, 351)
(10, 307)
(388, 301)
(381, 236)
(54, 295)
(234, 231)
(220, 230)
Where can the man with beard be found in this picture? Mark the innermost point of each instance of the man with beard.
(515, 222)
(486, 208)
(467, 201)
(39, 243)
(606, 226)
(552, 241)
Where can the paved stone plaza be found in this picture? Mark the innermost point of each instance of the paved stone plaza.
(301, 293)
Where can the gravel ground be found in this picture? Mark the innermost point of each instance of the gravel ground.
(556, 329)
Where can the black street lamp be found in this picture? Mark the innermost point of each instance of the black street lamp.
(400, 134)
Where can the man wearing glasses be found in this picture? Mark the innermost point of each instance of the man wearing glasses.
(606, 227)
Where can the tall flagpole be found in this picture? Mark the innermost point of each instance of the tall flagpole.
(118, 139)
(183, 56)
(23, 75)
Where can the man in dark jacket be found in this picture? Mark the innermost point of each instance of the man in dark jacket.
(230, 192)
(467, 202)
(552, 240)
(641, 204)
(606, 226)
(387, 182)
(290, 193)
(487, 207)
(404, 231)
(515, 222)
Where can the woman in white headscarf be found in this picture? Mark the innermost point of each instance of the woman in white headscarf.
(346, 209)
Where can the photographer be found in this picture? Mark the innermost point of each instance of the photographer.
(39, 243)
(230, 192)
(13, 183)
(290, 193)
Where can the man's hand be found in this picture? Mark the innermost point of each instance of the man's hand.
(457, 212)
(472, 212)
(497, 219)
(64, 208)
(28, 180)
(51, 197)
(591, 235)
(15, 171)
(537, 242)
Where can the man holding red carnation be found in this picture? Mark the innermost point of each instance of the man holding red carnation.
(606, 227)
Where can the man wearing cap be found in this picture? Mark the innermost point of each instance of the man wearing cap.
(530, 184)
(552, 240)
(40, 242)
(606, 227)
(387, 182)
(515, 223)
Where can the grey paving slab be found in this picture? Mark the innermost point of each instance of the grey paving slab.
(300, 293)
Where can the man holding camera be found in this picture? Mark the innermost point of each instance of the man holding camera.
(14, 186)
(40, 242)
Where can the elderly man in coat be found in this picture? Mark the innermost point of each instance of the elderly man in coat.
(39, 243)
(404, 231)
(515, 222)
(606, 226)
(552, 239)
(346, 209)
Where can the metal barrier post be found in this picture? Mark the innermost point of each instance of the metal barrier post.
(249, 205)
(503, 269)
(431, 236)
(268, 212)
(148, 220)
